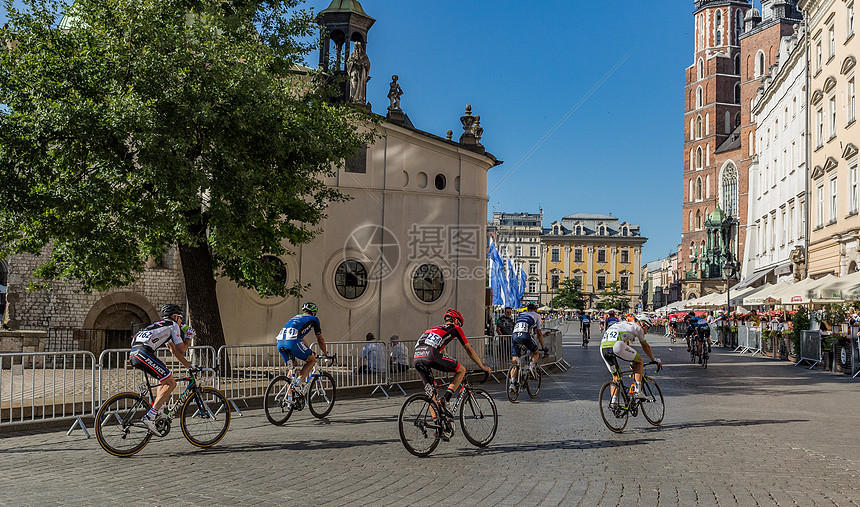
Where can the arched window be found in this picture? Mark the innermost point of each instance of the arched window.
(738, 64)
(739, 24)
(699, 158)
(699, 97)
(737, 119)
(691, 221)
(759, 64)
(692, 245)
(737, 93)
(699, 188)
(752, 144)
(728, 122)
(707, 188)
(718, 28)
(698, 220)
(701, 32)
(691, 195)
(729, 190)
(692, 129)
(698, 127)
(708, 124)
(692, 157)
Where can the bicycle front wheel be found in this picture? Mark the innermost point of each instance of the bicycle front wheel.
(533, 385)
(614, 414)
(118, 427)
(205, 417)
(419, 424)
(276, 403)
(321, 395)
(513, 384)
(652, 408)
(479, 418)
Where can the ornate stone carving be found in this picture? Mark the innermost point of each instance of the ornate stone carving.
(394, 93)
(798, 258)
(358, 68)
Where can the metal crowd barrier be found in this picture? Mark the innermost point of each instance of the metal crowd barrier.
(37, 386)
(246, 370)
(349, 354)
(810, 348)
(855, 355)
(116, 375)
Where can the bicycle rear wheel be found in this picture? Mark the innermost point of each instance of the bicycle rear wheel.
(534, 381)
(205, 417)
(276, 403)
(419, 425)
(321, 395)
(118, 427)
(513, 384)
(479, 418)
(653, 408)
(614, 415)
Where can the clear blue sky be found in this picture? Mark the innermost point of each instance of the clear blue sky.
(523, 66)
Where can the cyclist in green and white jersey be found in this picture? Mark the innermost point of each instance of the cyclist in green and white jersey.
(616, 344)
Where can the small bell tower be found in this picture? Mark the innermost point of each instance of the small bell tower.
(344, 26)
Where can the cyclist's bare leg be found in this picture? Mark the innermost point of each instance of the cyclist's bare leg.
(514, 360)
(308, 366)
(638, 369)
(167, 386)
(459, 375)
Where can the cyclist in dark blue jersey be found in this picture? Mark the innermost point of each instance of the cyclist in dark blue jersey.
(527, 323)
(291, 341)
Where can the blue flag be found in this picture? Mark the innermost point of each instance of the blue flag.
(513, 285)
(497, 275)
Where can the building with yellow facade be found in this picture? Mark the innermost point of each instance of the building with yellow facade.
(594, 249)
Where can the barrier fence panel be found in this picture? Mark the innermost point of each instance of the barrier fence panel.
(117, 375)
(754, 343)
(37, 386)
(246, 370)
(743, 335)
(810, 348)
(359, 364)
(855, 355)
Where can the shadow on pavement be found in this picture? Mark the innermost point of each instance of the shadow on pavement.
(550, 445)
(310, 445)
(719, 422)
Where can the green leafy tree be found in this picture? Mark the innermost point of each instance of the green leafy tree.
(142, 124)
(569, 295)
(613, 297)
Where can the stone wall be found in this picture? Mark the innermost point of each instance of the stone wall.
(64, 308)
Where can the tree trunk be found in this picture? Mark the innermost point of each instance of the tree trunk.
(202, 298)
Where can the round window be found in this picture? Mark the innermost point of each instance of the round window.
(428, 282)
(440, 182)
(350, 279)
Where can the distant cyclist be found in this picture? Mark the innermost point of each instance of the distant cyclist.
(430, 354)
(610, 319)
(144, 344)
(691, 328)
(585, 326)
(290, 342)
(703, 334)
(527, 323)
(616, 344)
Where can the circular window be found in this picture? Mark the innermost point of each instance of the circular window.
(350, 279)
(428, 282)
(440, 182)
(422, 180)
(276, 275)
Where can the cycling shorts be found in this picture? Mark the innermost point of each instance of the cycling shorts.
(144, 359)
(427, 358)
(522, 340)
(293, 349)
(703, 334)
(619, 349)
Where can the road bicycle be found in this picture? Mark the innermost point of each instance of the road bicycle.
(615, 415)
(282, 397)
(524, 377)
(699, 351)
(422, 423)
(586, 334)
(204, 416)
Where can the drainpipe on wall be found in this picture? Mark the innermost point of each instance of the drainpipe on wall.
(808, 132)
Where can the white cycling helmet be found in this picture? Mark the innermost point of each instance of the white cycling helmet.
(642, 318)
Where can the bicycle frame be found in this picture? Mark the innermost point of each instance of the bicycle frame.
(145, 388)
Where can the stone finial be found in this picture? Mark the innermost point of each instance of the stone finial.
(394, 94)
(468, 121)
(477, 130)
(449, 135)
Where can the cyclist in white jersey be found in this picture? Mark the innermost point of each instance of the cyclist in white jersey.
(616, 344)
(146, 342)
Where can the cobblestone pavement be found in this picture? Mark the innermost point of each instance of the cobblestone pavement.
(746, 431)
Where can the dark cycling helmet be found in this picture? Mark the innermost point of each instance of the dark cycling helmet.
(309, 307)
(454, 315)
(168, 311)
(531, 307)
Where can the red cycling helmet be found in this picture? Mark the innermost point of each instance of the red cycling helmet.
(454, 314)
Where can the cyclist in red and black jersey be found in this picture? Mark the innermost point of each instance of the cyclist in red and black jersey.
(430, 353)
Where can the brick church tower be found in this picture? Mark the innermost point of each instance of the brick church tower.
(719, 131)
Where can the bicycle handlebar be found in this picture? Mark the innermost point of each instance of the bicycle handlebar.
(329, 357)
(659, 366)
(475, 372)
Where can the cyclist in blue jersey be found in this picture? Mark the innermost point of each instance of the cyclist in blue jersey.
(703, 334)
(291, 341)
(611, 319)
(527, 322)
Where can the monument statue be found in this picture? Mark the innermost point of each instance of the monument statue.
(358, 68)
(394, 94)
